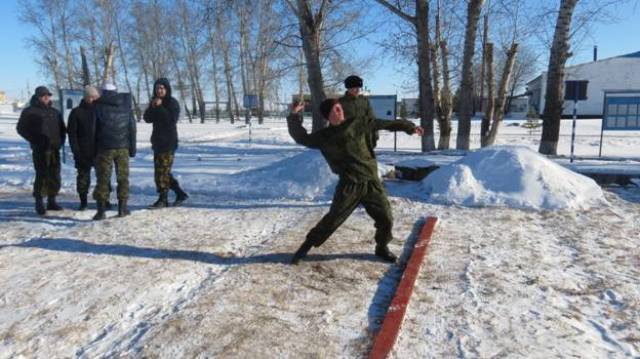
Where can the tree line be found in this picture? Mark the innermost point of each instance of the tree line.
(225, 49)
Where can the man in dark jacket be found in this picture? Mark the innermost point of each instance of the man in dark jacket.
(82, 128)
(115, 143)
(43, 127)
(346, 147)
(163, 112)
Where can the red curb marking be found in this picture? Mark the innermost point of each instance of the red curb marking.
(386, 337)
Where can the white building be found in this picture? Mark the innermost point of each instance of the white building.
(611, 74)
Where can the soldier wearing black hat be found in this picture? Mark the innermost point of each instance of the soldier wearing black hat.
(43, 127)
(356, 105)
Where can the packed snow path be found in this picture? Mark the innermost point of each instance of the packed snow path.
(211, 278)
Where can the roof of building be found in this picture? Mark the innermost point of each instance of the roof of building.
(633, 54)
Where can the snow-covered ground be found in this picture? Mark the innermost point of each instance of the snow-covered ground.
(211, 279)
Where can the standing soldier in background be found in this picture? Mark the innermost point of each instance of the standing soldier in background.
(82, 127)
(115, 143)
(163, 112)
(43, 127)
(356, 105)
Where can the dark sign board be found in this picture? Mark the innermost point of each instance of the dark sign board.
(575, 90)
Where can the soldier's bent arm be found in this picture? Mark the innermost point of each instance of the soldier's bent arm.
(299, 133)
(396, 125)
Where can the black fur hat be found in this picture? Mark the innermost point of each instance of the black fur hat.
(352, 81)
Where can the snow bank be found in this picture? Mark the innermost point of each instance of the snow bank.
(303, 176)
(511, 176)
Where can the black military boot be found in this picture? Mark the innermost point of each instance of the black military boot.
(52, 205)
(83, 202)
(101, 211)
(40, 206)
(181, 195)
(301, 252)
(122, 208)
(385, 254)
(162, 201)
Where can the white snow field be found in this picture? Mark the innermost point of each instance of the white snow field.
(510, 276)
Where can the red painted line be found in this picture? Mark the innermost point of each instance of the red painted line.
(386, 337)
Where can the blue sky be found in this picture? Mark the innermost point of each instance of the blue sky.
(17, 65)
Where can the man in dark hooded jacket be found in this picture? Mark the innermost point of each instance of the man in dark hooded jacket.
(82, 128)
(115, 143)
(43, 127)
(163, 112)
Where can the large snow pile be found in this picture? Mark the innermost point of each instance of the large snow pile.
(303, 176)
(511, 176)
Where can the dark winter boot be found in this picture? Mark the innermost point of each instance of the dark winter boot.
(122, 208)
(385, 254)
(40, 206)
(83, 202)
(181, 196)
(52, 205)
(301, 252)
(101, 211)
(162, 201)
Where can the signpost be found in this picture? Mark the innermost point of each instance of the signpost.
(576, 91)
(249, 102)
(384, 108)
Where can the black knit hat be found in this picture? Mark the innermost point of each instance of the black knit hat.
(352, 81)
(42, 91)
(326, 106)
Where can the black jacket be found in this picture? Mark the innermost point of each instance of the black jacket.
(115, 125)
(164, 137)
(82, 129)
(42, 126)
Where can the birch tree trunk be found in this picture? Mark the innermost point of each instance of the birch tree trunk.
(465, 110)
(554, 99)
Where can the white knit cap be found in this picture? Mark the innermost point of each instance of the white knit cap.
(108, 86)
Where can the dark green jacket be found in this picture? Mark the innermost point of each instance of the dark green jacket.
(347, 147)
(359, 107)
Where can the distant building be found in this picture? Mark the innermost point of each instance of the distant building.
(614, 73)
(3, 98)
(411, 105)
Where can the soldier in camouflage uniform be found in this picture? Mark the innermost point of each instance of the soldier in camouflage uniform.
(346, 146)
(115, 143)
(163, 112)
(43, 127)
(356, 105)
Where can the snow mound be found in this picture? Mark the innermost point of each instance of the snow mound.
(511, 176)
(303, 176)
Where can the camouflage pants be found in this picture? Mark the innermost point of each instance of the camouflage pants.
(47, 166)
(346, 199)
(162, 163)
(104, 163)
(83, 180)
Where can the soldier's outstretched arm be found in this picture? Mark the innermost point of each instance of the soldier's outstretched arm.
(405, 126)
(298, 132)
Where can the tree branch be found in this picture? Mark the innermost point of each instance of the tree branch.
(397, 11)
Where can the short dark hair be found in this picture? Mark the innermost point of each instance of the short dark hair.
(353, 81)
(326, 106)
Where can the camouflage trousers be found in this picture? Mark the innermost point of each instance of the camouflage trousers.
(348, 196)
(83, 180)
(162, 163)
(104, 163)
(47, 166)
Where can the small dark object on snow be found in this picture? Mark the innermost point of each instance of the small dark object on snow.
(414, 173)
(609, 179)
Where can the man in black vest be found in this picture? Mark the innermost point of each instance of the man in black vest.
(43, 127)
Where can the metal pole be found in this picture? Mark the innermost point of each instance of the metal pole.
(395, 141)
(573, 128)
